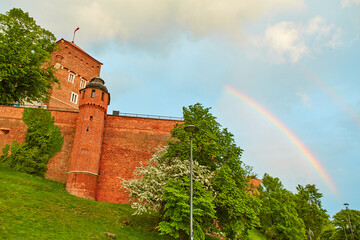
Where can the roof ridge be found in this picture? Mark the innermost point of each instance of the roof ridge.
(77, 47)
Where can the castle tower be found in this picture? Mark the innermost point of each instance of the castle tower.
(74, 68)
(86, 153)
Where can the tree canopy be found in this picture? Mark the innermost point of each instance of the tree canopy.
(221, 181)
(342, 221)
(278, 216)
(26, 73)
(309, 209)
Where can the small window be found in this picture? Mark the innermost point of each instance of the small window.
(87, 128)
(102, 96)
(93, 93)
(74, 97)
(91, 118)
(71, 77)
(4, 131)
(82, 83)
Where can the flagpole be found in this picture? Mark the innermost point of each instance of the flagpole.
(74, 34)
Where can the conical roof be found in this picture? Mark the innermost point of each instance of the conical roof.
(97, 83)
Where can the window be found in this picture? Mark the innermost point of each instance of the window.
(74, 97)
(71, 77)
(82, 83)
(91, 118)
(93, 93)
(102, 96)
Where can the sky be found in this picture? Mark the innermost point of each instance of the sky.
(282, 75)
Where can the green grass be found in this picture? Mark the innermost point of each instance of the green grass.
(35, 208)
(256, 235)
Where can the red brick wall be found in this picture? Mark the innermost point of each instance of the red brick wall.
(11, 126)
(127, 140)
(82, 185)
(59, 164)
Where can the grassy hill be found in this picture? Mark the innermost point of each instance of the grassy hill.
(35, 208)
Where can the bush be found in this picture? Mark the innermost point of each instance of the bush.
(43, 140)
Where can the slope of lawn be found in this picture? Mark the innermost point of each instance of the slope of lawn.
(35, 208)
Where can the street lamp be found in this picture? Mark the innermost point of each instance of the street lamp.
(192, 129)
(347, 210)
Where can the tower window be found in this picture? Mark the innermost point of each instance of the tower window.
(93, 93)
(74, 97)
(91, 118)
(102, 96)
(87, 128)
(82, 83)
(71, 77)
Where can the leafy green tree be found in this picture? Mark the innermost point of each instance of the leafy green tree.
(176, 213)
(212, 145)
(215, 148)
(147, 188)
(42, 141)
(341, 222)
(163, 187)
(278, 216)
(26, 73)
(308, 206)
(236, 209)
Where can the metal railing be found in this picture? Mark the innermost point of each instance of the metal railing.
(39, 105)
(145, 116)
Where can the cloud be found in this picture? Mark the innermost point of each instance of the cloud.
(284, 40)
(348, 3)
(156, 23)
(289, 41)
(332, 34)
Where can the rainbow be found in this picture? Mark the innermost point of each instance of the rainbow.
(294, 140)
(350, 110)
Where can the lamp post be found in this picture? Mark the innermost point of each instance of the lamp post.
(347, 210)
(192, 129)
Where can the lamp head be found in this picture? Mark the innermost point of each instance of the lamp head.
(191, 128)
(346, 205)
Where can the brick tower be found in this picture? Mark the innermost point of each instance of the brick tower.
(85, 157)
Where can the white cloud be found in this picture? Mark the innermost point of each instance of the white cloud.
(289, 41)
(156, 22)
(284, 41)
(317, 26)
(324, 32)
(347, 3)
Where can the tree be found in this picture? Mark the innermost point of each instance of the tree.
(147, 188)
(163, 187)
(215, 148)
(308, 206)
(236, 209)
(278, 216)
(26, 73)
(212, 145)
(42, 141)
(341, 222)
(175, 218)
